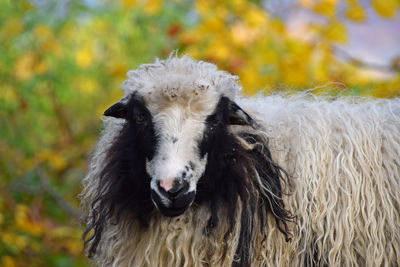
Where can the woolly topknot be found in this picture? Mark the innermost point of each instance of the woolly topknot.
(180, 77)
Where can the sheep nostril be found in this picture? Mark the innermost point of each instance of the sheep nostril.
(173, 191)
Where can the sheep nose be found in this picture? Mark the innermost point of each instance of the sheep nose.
(173, 188)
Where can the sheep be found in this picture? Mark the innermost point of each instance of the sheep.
(189, 173)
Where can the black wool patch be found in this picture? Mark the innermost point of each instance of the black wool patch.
(124, 183)
(228, 179)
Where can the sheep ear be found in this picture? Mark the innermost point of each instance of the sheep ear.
(237, 116)
(118, 110)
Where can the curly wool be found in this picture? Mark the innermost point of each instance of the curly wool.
(180, 79)
(344, 157)
(343, 160)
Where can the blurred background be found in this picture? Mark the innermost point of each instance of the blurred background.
(62, 63)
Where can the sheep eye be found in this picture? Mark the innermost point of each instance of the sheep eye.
(140, 118)
(212, 125)
(212, 122)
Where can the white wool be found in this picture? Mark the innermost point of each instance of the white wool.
(343, 158)
(180, 78)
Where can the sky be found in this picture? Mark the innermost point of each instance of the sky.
(375, 41)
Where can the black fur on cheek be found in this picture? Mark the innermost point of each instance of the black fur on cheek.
(124, 188)
(229, 178)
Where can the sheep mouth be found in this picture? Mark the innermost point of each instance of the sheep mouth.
(172, 207)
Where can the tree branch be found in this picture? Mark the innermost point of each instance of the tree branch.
(359, 63)
(46, 186)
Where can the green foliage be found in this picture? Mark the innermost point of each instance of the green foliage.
(61, 67)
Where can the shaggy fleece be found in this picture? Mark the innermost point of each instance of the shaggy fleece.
(342, 157)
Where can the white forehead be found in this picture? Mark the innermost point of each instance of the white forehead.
(184, 123)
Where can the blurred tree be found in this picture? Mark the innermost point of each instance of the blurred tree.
(245, 39)
(62, 63)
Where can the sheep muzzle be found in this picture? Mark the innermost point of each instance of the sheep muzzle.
(172, 206)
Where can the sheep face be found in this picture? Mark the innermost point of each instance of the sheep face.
(177, 164)
(180, 137)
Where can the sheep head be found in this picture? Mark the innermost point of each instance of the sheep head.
(176, 139)
(176, 145)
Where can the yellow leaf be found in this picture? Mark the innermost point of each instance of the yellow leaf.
(194, 51)
(40, 67)
(21, 213)
(32, 228)
(153, 6)
(43, 155)
(242, 35)
(249, 80)
(385, 8)
(58, 161)
(8, 238)
(278, 26)
(118, 69)
(219, 50)
(52, 46)
(26, 5)
(74, 246)
(212, 25)
(27, 65)
(24, 66)
(355, 12)
(84, 57)
(8, 261)
(24, 222)
(21, 242)
(326, 8)
(61, 232)
(256, 17)
(9, 94)
(11, 28)
(43, 31)
(252, 80)
(238, 5)
(337, 32)
(203, 6)
(86, 86)
(307, 3)
(294, 71)
(128, 3)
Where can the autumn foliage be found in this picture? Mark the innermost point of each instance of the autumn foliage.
(62, 63)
